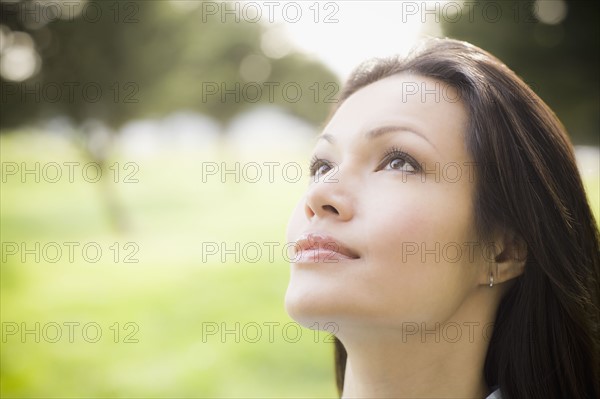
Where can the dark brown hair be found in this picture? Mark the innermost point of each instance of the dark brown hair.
(545, 342)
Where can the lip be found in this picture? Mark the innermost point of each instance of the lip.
(321, 247)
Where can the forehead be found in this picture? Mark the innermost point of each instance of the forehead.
(426, 105)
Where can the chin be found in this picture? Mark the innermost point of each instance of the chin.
(309, 306)
(317, 305)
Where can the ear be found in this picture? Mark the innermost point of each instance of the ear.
(508, 257)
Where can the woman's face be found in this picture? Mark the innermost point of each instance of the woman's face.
(408, 218)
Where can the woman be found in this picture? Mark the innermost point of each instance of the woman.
(447, 236)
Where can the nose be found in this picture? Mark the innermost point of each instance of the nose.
(329, 198)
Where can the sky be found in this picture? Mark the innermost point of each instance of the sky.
(342, 34)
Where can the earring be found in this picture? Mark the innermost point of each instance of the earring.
(491, 279)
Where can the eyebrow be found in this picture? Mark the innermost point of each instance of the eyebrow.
(378, 132)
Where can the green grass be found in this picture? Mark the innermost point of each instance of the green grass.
(170, 294)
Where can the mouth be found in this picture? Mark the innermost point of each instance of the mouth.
(321, 247)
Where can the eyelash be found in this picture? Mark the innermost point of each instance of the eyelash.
(390, 154)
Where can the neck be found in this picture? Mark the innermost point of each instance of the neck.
(414, 360)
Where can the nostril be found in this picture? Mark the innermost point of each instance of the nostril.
(308, 211)
(330, 208)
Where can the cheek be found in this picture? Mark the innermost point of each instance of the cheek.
(419, 215)
(408, 218)
(411, 253)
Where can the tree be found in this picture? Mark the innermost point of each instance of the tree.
(558, 58)
(117, 61)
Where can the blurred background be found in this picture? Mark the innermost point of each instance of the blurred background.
(152, 152)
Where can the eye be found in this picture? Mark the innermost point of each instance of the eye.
(394, 159)
(397, 159)
(319, 166)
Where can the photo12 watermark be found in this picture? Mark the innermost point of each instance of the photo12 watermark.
(452, 12)
(70, 92)
(69, 332)
(291, 12)
(69, 171)
(268, 331)
(251, 172)
(269, 91)
(41, 12)
(69, 252)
